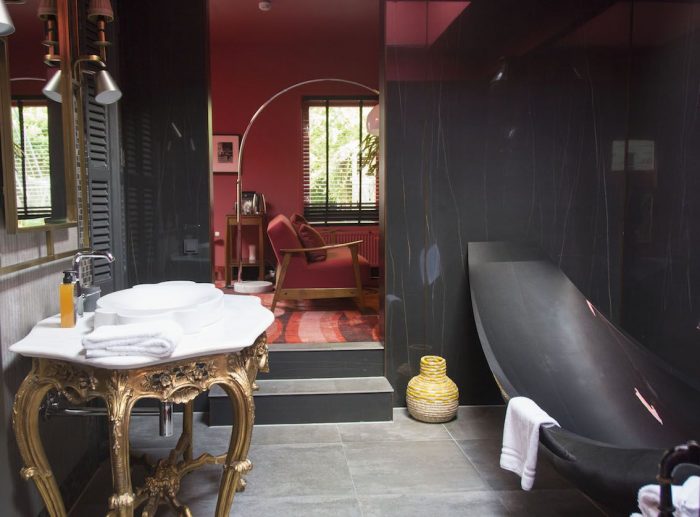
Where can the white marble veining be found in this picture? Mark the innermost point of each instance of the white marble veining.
(243, 320)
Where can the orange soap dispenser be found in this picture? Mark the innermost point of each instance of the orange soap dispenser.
(66, 299)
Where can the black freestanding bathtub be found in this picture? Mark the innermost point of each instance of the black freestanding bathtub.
(619, 406)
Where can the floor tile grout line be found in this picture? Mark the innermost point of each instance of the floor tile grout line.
(468, 459)
(497, 492)
(347, 464)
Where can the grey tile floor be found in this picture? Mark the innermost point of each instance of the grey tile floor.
(401, 468)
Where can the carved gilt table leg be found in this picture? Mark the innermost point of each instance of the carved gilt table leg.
(237, 463)
(120, 399)
(177, 381)
(243, 369)
(25, 419)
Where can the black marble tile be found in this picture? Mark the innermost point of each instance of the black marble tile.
(165, 140)
(526, 127)
(485, 456)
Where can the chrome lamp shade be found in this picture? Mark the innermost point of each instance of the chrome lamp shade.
(6, 25)
(52, 90)
(107, 91)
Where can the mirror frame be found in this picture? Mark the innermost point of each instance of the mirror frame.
(68, 123)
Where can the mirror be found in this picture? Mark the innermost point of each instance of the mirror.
(34, 169)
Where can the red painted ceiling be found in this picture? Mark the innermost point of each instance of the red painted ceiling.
(290, 21)
(655, 23)
(412, 24)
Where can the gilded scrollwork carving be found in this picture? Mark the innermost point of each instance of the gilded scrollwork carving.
(194, 375)
(185, 394)
(251, 360)
(121, 501)
(178, 381)
(30, 383)
(68, 374)
(72, 381)
(28, 472)
(164, 482)
(118, 397)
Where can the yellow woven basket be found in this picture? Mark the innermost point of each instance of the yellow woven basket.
(431, 396)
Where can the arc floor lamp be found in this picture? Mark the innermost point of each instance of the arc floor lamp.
(240, 285)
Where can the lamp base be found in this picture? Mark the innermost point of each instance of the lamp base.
(252, 287)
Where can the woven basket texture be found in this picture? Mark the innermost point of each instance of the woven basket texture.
(431, 396)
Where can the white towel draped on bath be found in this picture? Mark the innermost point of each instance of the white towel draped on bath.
(686, 499)
(154, 338)
(521, 433)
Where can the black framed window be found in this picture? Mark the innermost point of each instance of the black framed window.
(30, 137)
(340, 161)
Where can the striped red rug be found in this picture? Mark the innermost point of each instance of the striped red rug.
(335, 320)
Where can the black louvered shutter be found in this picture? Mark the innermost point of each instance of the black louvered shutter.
(99, 194)
(103, 178)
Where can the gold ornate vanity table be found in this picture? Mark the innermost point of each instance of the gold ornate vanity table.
(227, 354)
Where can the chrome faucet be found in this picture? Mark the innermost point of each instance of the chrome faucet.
(106, 255)
(85, 254)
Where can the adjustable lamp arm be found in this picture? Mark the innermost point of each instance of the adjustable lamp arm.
(244, 139)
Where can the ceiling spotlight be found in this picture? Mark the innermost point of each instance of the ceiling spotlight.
(264, 5)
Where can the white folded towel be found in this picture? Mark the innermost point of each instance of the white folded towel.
(686, 499)
(154, 338)
(521, 433)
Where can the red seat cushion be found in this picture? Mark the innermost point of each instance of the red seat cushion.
(310, 238)
(335, 271)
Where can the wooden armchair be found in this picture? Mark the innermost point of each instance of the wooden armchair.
(339, 276)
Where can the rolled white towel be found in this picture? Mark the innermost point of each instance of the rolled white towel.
(686, 499)
(521, 433)
(154, 338)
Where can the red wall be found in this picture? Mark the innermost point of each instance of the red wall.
(242, 78)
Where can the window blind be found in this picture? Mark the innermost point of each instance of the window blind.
(340, 186)
(30, 128)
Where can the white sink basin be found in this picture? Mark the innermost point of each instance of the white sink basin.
(190, 304)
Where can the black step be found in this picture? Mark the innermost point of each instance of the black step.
(323, 360)
(306, 401)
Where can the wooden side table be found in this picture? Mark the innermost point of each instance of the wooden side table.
(259, 262)
(178, 381)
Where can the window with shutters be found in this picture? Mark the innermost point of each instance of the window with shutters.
(340, 173)
(30, 137)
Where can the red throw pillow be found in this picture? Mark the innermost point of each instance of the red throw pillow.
(310, 238)
(297, 220)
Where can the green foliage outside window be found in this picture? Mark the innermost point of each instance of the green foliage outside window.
(30, 137)
(344, 151)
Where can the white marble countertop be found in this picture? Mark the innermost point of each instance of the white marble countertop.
(244, 319)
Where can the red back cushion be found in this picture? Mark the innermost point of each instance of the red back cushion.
(297, 220)
(310, 238)
(282, 235)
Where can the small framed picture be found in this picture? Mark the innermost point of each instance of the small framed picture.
(225, 149)
(252, 203)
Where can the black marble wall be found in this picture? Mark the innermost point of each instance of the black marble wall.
(661, 273)
(519, 132)
(165, 119)
(431, 163)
